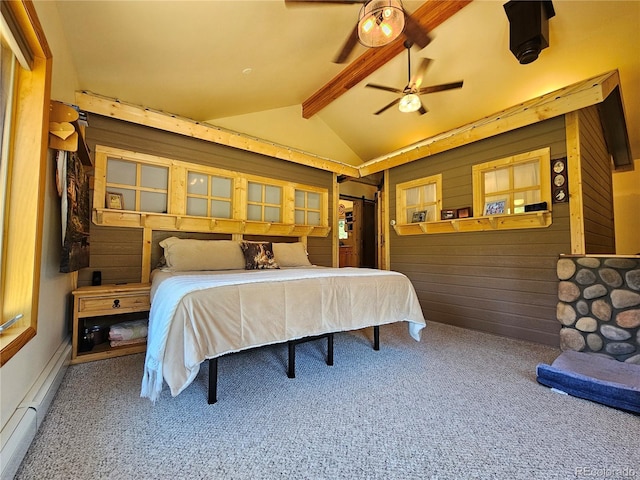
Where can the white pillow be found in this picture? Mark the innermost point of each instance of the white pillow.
(291, 254)
(183, 254)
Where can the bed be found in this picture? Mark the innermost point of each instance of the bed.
(275, 296)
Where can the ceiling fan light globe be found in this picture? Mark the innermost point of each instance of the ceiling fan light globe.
(386, 29)
(367, 25)
(380, 22)
(409, 103)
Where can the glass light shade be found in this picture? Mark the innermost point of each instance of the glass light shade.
(409, 103)
(380, 22)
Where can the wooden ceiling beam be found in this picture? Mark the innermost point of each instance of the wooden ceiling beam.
(431, 14)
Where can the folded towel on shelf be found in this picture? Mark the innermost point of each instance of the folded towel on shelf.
(124, 343)
(128, 330)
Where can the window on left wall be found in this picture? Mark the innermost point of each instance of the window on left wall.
(26, 76)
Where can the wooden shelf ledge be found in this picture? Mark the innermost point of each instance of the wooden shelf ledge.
(187, 223)
(541, 219)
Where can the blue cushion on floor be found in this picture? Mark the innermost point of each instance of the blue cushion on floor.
(595, 378)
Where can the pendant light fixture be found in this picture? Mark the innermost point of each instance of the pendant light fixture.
(380, 22)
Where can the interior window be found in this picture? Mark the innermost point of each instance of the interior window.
(419, 200)
(506, 186)
(308, 208)
(209, 195)
(264, 202)
(143, 188)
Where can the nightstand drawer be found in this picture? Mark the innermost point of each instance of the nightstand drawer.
(114, 304)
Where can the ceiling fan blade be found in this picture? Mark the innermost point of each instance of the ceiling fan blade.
(439, 88)
(348, 46)
(415, 32)
(422, 110)
(386, 89)
(416, 79)
(395, 102)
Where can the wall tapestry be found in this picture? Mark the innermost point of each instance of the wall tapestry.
(73, 187)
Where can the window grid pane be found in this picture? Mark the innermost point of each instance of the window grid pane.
(526, 175)
(220, 209)
(497, 181)
(254, 212)
(213, 193)
(264, 202)
(221, 187)
(313, 218)
(254, 193)
(152, 176)
(197, 183)
(197, 207)
(153, 202)
(121, 172)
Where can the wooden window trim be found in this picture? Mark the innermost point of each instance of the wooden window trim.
(543, 155)
(401, 188)
(22, 250)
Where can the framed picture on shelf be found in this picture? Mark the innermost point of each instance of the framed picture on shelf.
(495, 208)
(115, 201)
(464, 212)
(447, 214)
(419, 216)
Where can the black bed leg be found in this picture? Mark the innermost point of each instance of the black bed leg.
(291, 372)
(376, 337)
(213, 381)
(330, 349)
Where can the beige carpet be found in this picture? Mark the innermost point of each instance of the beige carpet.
(457, 405)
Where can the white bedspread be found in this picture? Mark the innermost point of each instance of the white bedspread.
(199, 315)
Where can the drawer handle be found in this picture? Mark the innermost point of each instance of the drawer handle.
(116, 304)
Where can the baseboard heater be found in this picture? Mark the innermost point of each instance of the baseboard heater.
(20, 430)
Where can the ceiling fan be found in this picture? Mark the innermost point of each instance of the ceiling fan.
(410, 100)
(379, 23)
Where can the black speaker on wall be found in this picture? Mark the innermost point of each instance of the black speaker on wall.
(96, 278)
(528, 27)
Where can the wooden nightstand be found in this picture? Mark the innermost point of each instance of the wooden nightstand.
(104, 301)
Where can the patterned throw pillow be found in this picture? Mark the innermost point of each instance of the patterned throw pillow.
(258, 255)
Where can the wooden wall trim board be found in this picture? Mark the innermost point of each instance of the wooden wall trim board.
(147, 235)
(574, 175)
(114, 108)
(559, 102)
(386, 223)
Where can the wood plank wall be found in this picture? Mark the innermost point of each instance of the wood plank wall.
(117, 252)
(599, 227)
(499, 282)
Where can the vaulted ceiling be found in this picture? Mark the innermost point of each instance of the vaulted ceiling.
(249, 66)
